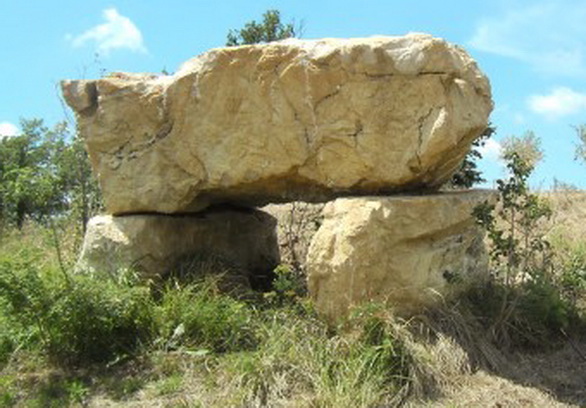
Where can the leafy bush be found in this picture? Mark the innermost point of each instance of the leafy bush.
(8, 337)
(523, 303)
(98, 321)
(287, 287)
(572, 274)
(78, 319)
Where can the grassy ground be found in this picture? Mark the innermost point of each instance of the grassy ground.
(68, 340)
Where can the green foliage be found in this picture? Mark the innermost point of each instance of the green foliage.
(44, 172)
(468, 173)
(8, 391)
(526, 147)
(518, 246)
(56, 392)
(29, 185)
(78, 320)
(121, 321)
(270, 29)
(360, 364)
(198, 316)
(379, 338)
(523, 302)
(288, 288)
(571, 273)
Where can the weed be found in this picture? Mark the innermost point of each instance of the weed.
(169, 385)
(8, 393)
(77, 391)
(286, 287)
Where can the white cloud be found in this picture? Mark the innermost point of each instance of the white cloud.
(116, 33)
(560, 102)
(492, 150)
(7, 129)
(550, 35)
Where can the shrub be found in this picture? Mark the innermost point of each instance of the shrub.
(98, 321)
(287, 288)
(7, 337)
(523, 304)
(79, 319)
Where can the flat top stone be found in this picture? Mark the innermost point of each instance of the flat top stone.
(292, 120)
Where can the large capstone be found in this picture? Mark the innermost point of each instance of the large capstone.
(410, 252)
(293, 120)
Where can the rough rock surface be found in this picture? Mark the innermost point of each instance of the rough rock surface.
(297, 223)
(408, 251)
(293, 120)
(243, 239)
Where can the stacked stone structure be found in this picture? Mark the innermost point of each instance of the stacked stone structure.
(373, 126)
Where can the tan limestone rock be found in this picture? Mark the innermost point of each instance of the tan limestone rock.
(241, 239)
(292, 120)
(407, 251)
(297, 223)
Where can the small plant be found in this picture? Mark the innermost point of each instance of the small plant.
(169, 385)
(287, 287)
(77, 391)
(8, 393)
(519, 248)
(522, 302)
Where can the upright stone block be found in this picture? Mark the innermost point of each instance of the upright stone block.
(406, 251)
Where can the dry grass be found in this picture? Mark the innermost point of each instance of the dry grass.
(444, 358)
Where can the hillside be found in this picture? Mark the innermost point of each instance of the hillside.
(201, 348)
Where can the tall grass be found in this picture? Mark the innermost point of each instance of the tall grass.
(198, 316)
(251, 352)
(194, 345)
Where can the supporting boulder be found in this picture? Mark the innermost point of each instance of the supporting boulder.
(406, 251)
(241, 241)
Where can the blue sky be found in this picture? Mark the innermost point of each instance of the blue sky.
(534, 53)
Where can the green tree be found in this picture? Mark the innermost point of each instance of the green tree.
(516, 240)
(526, 302)
(468, 173)
(45, 172)
(527, 147)
(29, 184)
(270, 29)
